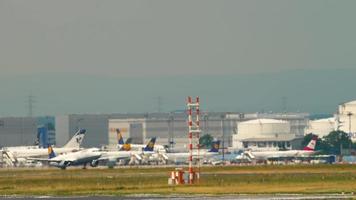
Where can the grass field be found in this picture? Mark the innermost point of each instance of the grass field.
(301, 179)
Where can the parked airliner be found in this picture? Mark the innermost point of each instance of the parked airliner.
(127, 146)
(19, 154)
(264, 155)
(82, 157)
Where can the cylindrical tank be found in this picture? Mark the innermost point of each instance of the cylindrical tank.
(321, 127)
(346, 119)
(348, 107)
(263, 128)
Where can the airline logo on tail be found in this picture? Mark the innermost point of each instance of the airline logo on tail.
(311, 145)
(151, 144)
(76, 140)
(80, 136)
(215, 146)
(51, 153)
(119, 136)
(127, 145)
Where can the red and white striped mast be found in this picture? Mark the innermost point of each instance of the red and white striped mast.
(194, 134)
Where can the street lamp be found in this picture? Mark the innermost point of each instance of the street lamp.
(78, 123)
(170, 130)
(223, 136)
(206, 127)
(349, 114)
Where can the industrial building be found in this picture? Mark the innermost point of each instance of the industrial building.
(321, 127)
(17, 131)
(264, 134)
(269, 131)
(95, 124)
(169, 128)
(297, 121)
(346, 118)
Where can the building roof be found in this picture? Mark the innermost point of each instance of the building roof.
(349, 103)
(264, 121)
(330, 119)
(282, 137)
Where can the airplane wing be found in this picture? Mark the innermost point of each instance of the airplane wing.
(138, 156)
(112, 158)
(44, 159)
(164, 156)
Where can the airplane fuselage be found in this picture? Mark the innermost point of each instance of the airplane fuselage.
(264, 155)
(77, 158)
(37, 152)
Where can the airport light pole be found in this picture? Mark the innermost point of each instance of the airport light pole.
(223, 136)
(193, 135)
(206, 127)
(78, 123)
(170, 130)
(349, 114)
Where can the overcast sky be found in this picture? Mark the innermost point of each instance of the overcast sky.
(155, 39)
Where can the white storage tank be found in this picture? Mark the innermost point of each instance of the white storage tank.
(347, 107)
(262, 128)
(321, 127)
(346, 118)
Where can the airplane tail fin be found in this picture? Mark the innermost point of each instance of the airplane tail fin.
(150, 145)
(76, 140)
(128, 141)
(215, 146)
(312, 144)
(51, 153)
(127, 145)
(120, 139)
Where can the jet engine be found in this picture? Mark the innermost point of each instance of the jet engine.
(94, 163)
(63, 164)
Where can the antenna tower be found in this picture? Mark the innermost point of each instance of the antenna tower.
(30, 101)
(194, 136)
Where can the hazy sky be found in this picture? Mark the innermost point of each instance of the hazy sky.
(155, 39)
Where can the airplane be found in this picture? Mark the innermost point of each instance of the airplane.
(121, 144)
(113, 156)
(203, 153)
(19, 154)
(82, 157)
(127, 146)
(265, 155)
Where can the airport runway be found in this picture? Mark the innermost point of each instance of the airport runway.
(223, 197)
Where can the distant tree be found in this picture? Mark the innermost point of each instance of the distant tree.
(336, 140)
(50, 126)
(320, 146)
(206, 141)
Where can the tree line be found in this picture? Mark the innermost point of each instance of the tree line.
(336, 142)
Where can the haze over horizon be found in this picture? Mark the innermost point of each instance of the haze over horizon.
(91, 56)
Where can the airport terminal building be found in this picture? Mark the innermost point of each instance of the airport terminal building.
(169, 128)
(18, 131)
(270, 131)
(346, 118)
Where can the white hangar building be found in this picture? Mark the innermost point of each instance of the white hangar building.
(346, 118)
(17, 131)
(263, 134)
(321, 127)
